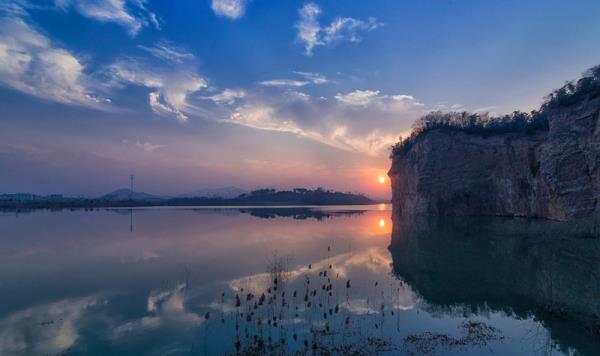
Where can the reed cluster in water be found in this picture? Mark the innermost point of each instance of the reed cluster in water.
(312, 313)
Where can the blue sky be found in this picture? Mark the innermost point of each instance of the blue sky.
(207, 93)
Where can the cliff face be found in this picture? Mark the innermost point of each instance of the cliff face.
(552, 174)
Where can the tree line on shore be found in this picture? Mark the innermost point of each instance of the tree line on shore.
(297, 196)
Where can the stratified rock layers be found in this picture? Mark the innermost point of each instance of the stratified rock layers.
(552, 174)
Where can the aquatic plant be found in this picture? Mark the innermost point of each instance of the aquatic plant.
(321, 310)
(313, 313)
(474, 333)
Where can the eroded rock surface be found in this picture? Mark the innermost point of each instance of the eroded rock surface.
(551, 174)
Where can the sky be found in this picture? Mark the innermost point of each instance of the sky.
(193, 94)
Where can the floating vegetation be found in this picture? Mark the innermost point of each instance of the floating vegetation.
(48, 322)
(474, 334)
(312, 312)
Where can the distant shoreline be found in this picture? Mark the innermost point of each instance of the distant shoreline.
(131, 205)
(118, 199)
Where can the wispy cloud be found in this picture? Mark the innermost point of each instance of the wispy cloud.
(264, 117)
(232, 9)
(31, 63)
(170, 86)
(143, 145)
(308, 27)
(363, 120)
(311, 34)
(374, 98)
(315, 78)
(132, 14)
(227, 96)
(347, 28)
(357, 97)
(168, 52)
(284, 83)
(307, 78)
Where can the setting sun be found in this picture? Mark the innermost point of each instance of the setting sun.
(381, 179)
(381, 223)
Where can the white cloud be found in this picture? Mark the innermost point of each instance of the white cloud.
(357, 97)
(284, 83)
(308, 26)
(133, 14)
(263, 117)
(371, 98)
(167, 52)
(30, 63)
(363, 120)
(227, 96)
(171, 86)
(311, 34)
(315, 78)
(308, 78)
(233, 9)
(145, 146)
(346, 28)
(297, 95)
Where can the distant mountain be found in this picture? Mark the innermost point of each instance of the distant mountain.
(225, 193)
(125, 194)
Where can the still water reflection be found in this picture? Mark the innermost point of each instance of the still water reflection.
(292, 280)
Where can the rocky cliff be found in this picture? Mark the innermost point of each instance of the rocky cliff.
(553, 173)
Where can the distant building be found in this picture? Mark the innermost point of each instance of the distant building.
(20, 197)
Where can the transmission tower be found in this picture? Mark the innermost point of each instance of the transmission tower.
(131, 177)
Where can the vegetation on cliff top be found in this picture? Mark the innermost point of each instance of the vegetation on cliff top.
(472, 123)
(517, 122)
(572, 92)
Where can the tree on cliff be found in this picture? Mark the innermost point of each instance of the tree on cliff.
(473, 123)
(517, 122)
(571, 92)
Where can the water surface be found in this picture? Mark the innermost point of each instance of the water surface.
(335, 279)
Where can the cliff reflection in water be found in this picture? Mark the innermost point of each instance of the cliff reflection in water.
(524, 268)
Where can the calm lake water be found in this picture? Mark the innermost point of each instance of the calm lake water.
(170, 281)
